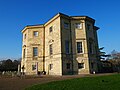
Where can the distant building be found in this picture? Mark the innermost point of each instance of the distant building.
(63, 45)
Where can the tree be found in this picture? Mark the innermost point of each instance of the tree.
(114, 58)
(102, 54)
(104, 65)
(9, 65)
(15, 65)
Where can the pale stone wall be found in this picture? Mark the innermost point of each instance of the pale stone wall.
(28, 44)
(76, 35)
(53, 38)
(79, 35)
(57, 38)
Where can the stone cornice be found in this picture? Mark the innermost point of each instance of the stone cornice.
(32, 26)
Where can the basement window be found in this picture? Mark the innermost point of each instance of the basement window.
(80, 65)
(33, 67)
(51, 66)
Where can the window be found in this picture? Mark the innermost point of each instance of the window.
(68, 65)
(91, 47)
(50, 66)
(23, 53)
(94, 33)
(92, 65)
(66, 25)
(51, 49)
(35, 33)
(35, 51)
(79, 47)
(51, 29)
(33, 67)
(78, 25)
(80, 65)
(24, 36)
(67, 47)
(88, 26)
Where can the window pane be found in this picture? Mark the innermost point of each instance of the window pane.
(35, 33)
(66, 25)
(35, 51)
(90, 47)
(92, 65)
(50, 29)
(67, 47)
(88, 26)
(79, 47)
(51, 66)
(24, 53)
(68, 65)
(33, 67)
(80, 65)
(51, 49)
(78, 25)
(25, 36)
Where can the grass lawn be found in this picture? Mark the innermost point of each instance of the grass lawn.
(110, 82)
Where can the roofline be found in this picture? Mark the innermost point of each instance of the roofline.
(96, 28)
(55, 17)
(52, 19)
(69, 17)
(36, 25)
(46, 23)
(84, 18)
(32, 26)
(81, 17)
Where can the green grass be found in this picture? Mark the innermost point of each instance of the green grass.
(110, 82)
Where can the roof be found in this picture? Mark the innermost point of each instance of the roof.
(96, 28)
(32, 26)
(58, 15)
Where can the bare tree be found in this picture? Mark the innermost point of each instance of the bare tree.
(115, 60)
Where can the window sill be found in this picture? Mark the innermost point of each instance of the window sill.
(80, 54)
(35, 58)
(79, 28)
(81, 68)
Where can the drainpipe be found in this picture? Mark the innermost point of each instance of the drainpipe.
(43, 49)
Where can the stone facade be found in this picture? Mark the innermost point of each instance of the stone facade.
(63, 45)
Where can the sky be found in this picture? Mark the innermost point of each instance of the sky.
(16, 14)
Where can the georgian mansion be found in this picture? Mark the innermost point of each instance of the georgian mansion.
(64, 45)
